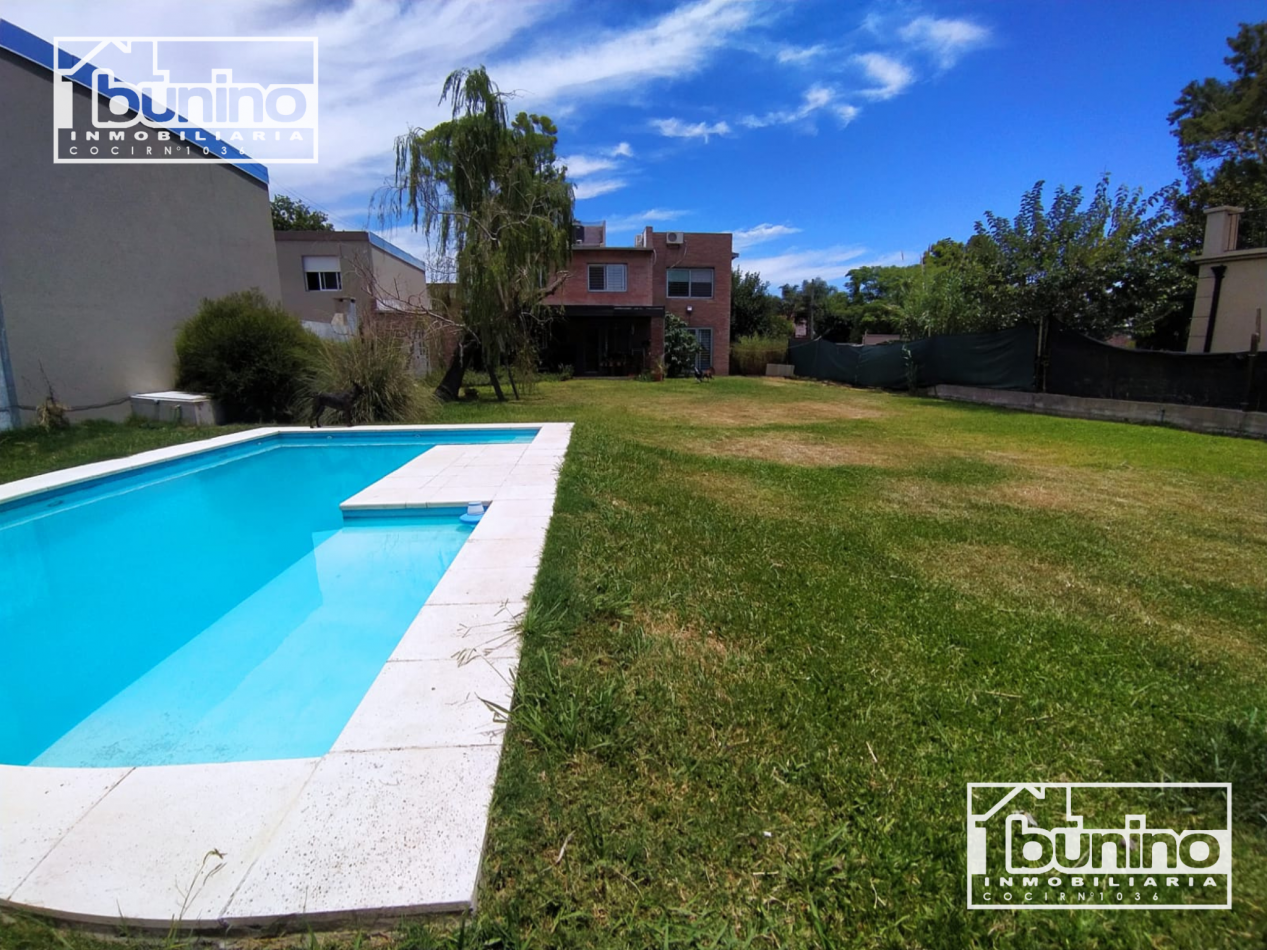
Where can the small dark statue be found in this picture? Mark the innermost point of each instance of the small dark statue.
(340, 402)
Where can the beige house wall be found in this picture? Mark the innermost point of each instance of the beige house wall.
(398, 280)
(1242, 296)
(365, 270)
(320, 305)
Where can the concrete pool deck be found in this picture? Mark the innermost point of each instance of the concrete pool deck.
(391, 821)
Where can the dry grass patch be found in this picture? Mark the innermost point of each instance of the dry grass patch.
(789, 448)
(687, 639)
(1016, 579)
(681, 410)
(743, 493)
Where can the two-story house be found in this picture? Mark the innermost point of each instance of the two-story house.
(613, 304)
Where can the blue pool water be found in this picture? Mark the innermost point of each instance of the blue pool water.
(216, 608)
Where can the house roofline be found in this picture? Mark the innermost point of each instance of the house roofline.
(387, 247)
(37, 50)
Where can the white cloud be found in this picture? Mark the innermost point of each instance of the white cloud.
(593, 187)
(746, 237)
(815, 98)
(799, 55)
(945, 40)
(382, 64)
(679, 43)
(677, 129)
(636, 222)
(893, 77)
(792, 267)
(579, 166)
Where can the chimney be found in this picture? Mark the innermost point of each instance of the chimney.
(1220, 230)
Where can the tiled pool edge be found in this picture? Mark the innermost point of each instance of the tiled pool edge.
(390, 822)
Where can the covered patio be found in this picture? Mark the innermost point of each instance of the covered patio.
(606, 341)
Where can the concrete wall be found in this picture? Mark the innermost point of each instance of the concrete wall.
(399, 279)
(1194, 418)
(363, 267)
(321, 305)
(697, 250)
(1243, 295)
(1241, 299)
(99, 264)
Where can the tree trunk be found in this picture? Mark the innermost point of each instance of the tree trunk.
(497, 386)
(451, 385)
(513, 388)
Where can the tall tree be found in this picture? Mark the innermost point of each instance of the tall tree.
(1093, 267)
(751, 306)
(1221, 126)
(292, 215)
(491, 194)
(1220, 121)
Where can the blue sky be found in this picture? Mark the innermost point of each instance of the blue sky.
(825, 134)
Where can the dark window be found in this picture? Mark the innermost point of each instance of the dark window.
(323, 273)
(690, 282)
(608, 277)
(704, 357)
(324, 280)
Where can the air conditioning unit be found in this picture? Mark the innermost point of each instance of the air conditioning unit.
(673, 237)
(640, 240)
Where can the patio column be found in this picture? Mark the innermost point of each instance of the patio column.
(657, 342)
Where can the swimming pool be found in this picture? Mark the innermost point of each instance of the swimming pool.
(216, 607)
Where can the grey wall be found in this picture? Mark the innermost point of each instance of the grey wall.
(358, 258)
(99, 264)
(319, 305)
(399, 278)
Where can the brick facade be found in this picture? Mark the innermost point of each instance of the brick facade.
(697, 250)
(639, 278)
(647, 270)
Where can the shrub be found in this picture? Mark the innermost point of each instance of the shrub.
(750, 354)
(248, 353)
(680, 346)
(378, 362)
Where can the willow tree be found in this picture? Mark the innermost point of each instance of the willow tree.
(490, 194)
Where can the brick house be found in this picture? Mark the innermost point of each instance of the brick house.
(613, 303)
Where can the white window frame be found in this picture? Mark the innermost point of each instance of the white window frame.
(615, 278)
(690, 282)
(329, 273)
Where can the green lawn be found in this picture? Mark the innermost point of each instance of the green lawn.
(780, 625)
(32, 451)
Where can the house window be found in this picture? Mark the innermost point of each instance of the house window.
(704, 337)
(610, 278)
(690, 281)
(323, 273)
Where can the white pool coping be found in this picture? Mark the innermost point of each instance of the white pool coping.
(390, 822)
